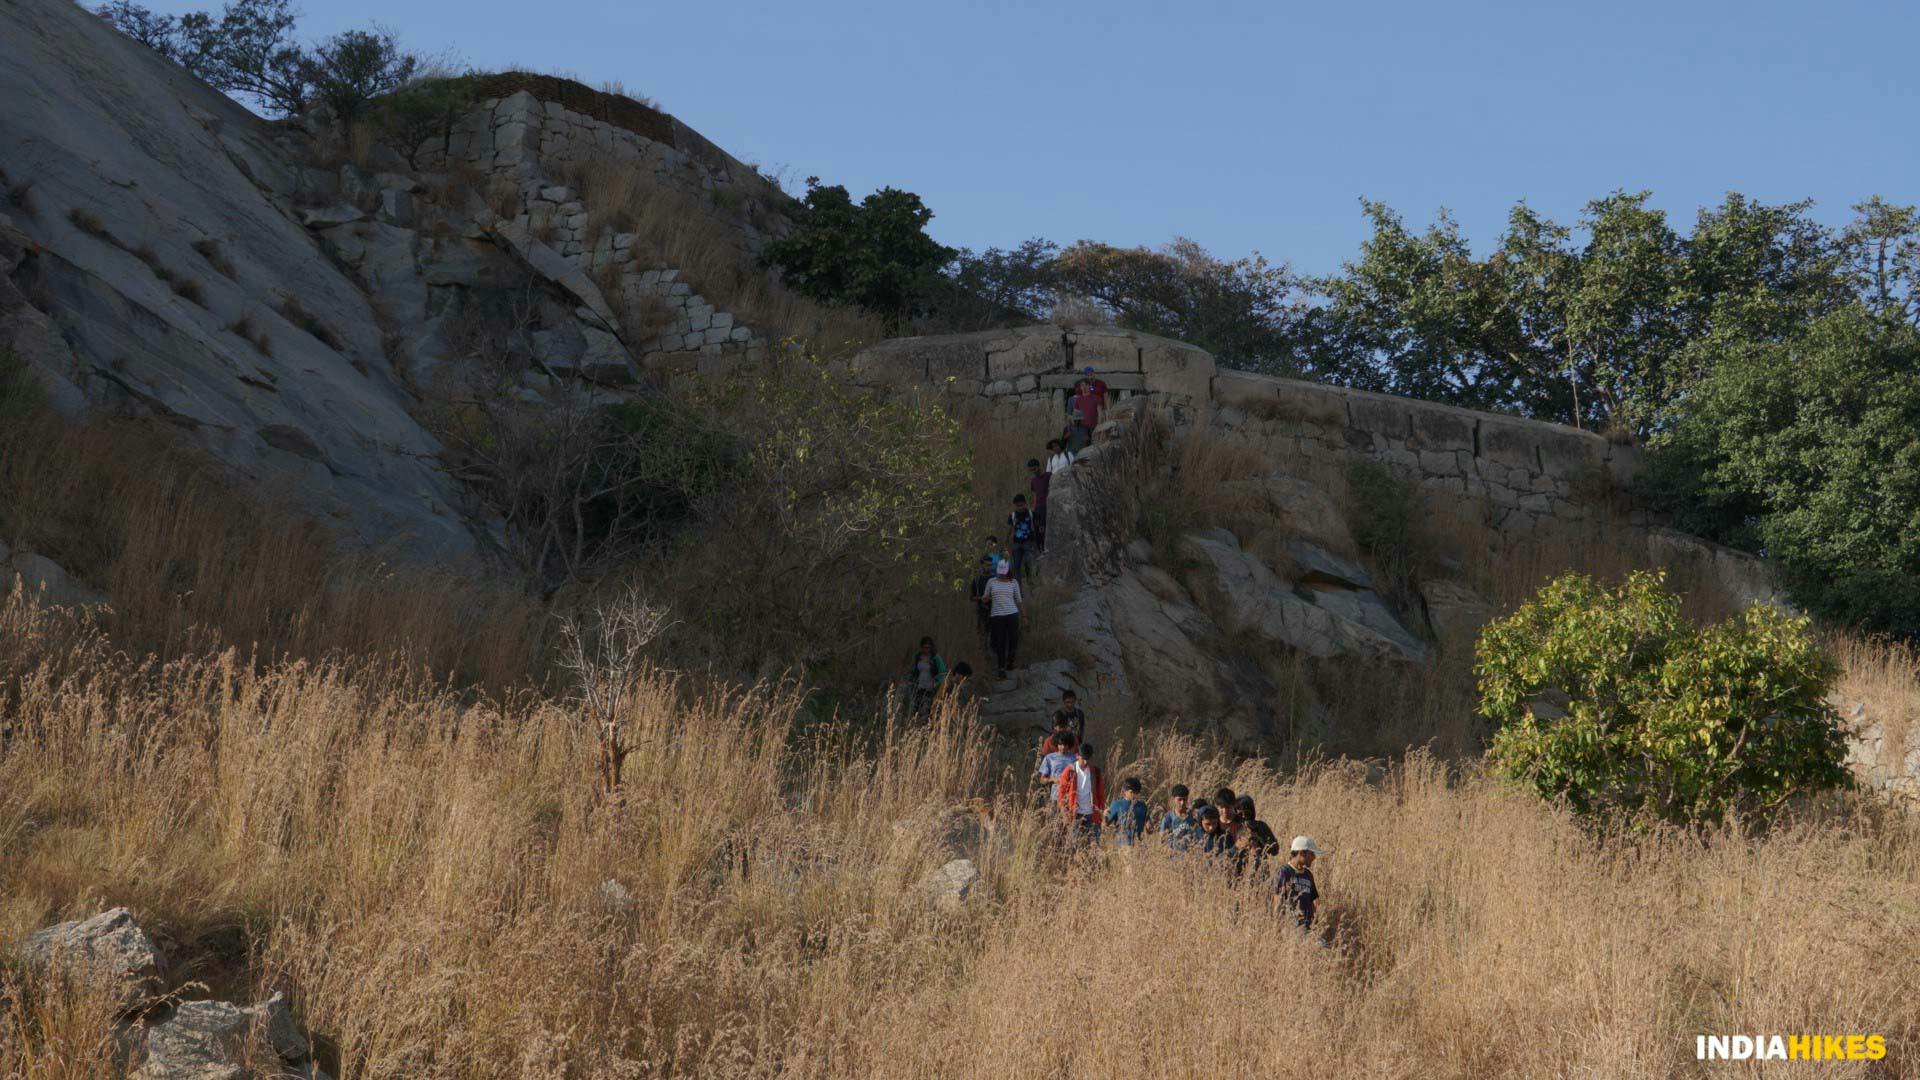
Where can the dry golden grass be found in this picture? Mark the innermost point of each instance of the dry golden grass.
(187, 562)
(425, 878)
(1884, 676)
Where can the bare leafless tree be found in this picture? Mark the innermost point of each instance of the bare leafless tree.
(604, 647)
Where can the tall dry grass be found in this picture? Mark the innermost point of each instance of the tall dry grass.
(187, 561)
(425, 876)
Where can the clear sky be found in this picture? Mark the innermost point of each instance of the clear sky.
(1245, 125)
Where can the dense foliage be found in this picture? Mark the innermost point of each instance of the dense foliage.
(249, 50)
(1611, 699)
(843, 502)
(875, 253)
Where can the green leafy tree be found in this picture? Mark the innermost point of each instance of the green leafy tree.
(875, 254)
(1603, 325)
(1882, 248)
(1611, 699)
(1243, 311)
(1807, 449)
(995, 287)
(353, 67)
(248, 50)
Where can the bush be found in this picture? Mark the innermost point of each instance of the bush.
(843, 503)
(1610, 699)
(410, 117)
(876, 254)
(1384, 517)
(352, 68)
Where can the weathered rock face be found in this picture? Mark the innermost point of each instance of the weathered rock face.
(949, 886)
(193, 1040)
(109, 947)
(155, 231)
(206, 1039)
(43, 578)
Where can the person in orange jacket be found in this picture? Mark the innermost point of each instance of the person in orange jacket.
(1081, 791)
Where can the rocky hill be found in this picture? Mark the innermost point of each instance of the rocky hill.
(295, 306)
(302, 305)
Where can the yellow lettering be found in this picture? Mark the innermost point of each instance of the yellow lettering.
(1856, 1047)
(1876, 1047)
(1799, 1047)
(1831, 1048)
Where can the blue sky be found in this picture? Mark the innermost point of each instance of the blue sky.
(1247, 126)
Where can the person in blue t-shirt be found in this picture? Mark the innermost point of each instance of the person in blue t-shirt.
(1181, 821)
(1062, 756)
(1128, 813)
(1294, 890)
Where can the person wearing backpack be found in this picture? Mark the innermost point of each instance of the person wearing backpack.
(1023, 531)
(926, 673)
(1004, 605)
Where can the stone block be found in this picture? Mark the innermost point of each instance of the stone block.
(1105, 351)
(1438, 427)
(1176, 370)
(1027, 352)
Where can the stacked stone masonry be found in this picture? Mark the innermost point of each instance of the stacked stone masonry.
(659, 318)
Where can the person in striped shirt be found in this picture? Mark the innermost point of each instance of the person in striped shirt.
(1005, 605)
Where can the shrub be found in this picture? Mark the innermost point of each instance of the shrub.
(842, 503)
(86, 222)
(244, 329)
(1611, 699)
(291, 309)
(188, 289)
(209, 249)
(351, 68)
(410, 118)
(1385, 519)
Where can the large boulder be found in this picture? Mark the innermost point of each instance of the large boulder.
(207, 1040)
(109, 948)
(949, 886)
(1455, 612)
(1324, 616)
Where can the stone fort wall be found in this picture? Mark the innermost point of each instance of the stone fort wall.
(1521, 477)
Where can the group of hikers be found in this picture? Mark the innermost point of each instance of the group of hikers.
(997, 590)
(1227, 829)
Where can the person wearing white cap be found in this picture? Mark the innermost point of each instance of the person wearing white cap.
(1293, 886)
(1004, 604)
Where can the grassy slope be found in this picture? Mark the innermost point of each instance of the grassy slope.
(426, 879)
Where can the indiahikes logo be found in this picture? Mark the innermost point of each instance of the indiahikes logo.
(1789, 1047)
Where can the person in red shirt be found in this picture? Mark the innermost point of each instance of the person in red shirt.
(1081, 791)
(1083, 411)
